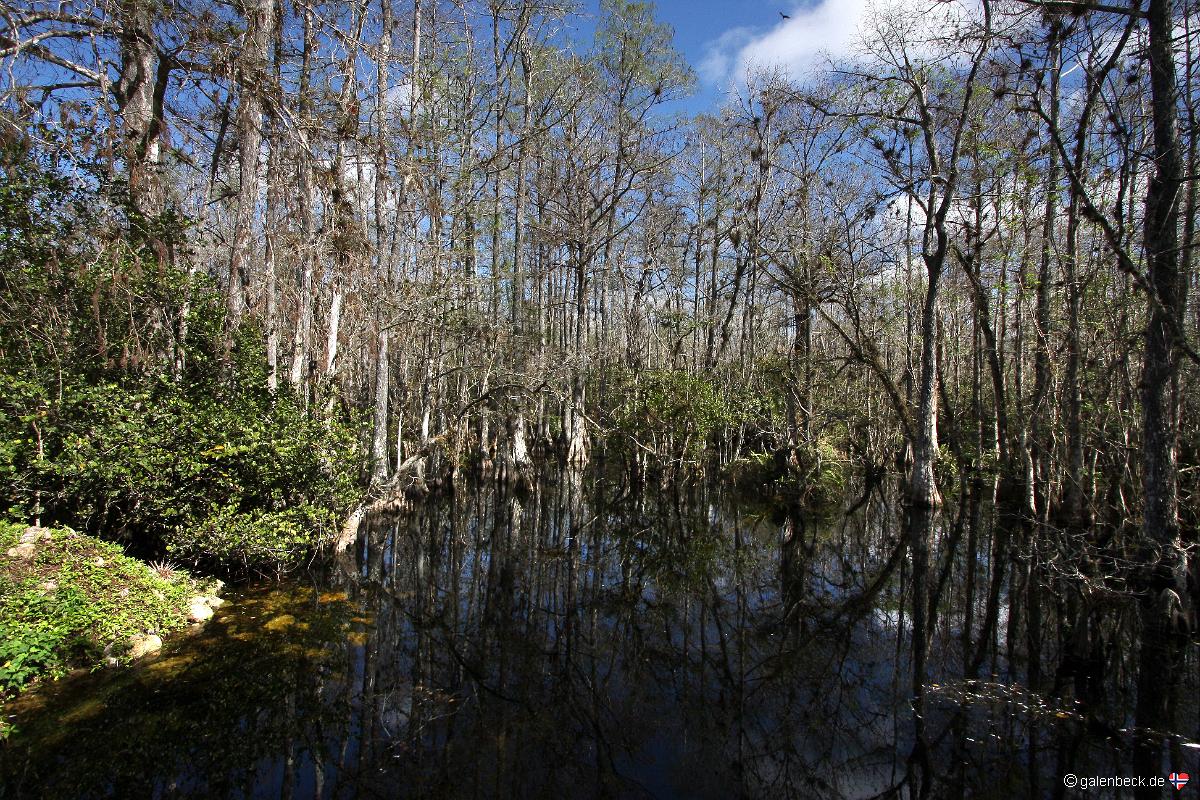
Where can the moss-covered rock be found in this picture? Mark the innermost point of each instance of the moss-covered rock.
(74, 600)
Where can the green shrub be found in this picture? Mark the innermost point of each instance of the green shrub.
(256, 537)
(100, 426)
(754, 474)
(681, 411)
(26, 651)
(813, 478)
(216, 479)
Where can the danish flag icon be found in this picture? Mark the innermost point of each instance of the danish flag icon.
(1178, 780)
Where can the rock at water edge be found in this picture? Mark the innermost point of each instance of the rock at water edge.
(143, 645)
(199, 611)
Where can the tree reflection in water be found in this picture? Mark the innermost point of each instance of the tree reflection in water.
(576, 639)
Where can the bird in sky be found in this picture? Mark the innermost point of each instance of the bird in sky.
(785, 16)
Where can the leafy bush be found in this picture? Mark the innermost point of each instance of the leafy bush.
(811, 478)
(113, 422)
(754, 473)
(234, 480)
(682, 410)
(26, 651)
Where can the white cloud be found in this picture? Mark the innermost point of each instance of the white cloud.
(798, 45)
(719, 61)
(815, 34)
(399, 96)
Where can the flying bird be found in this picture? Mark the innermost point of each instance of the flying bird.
(785, 16)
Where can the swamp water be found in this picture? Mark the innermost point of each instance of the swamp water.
(574, 640)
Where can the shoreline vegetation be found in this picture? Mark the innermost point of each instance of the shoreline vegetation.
(71, 601)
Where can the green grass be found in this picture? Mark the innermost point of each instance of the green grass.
(77, 595)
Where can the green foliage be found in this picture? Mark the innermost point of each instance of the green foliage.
(819, 477)
(811, 478)
(219, 479)
(112, 422)
(677, 409)
(636, 50)
(753, 472)
(25, 652)
(75, 596)
(256, 536)
(81, 287)
(681, 414)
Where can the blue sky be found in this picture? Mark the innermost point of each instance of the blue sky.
(699, 24)
(721, 39)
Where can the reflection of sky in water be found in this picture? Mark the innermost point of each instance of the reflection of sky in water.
(566, 642)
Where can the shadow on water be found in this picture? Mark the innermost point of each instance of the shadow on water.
(573, 640)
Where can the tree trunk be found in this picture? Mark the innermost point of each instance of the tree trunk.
(302, 338)
(331, 330)
(1163, 564)
(383, 269)
(272, 288)
(141, 125)
(251, 74)
(379, 440)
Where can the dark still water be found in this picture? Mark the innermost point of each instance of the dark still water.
(575, 640)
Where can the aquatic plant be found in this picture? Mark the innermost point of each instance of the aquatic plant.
(164, 568)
